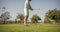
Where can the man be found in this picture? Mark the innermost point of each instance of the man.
(27, 7)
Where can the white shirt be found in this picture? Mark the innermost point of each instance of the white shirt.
(26, 4)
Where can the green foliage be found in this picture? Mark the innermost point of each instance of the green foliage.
(5, 16)
(35, 18)
(21, 17)
(0, 17)
(53, 14)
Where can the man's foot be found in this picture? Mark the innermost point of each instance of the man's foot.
(26, 24)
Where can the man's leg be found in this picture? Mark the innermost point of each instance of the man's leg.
(25, 20)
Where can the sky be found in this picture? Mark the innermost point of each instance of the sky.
(17, 6)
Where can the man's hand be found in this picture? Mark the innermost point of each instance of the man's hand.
(31, 9)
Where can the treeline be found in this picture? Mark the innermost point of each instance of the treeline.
(51, 16)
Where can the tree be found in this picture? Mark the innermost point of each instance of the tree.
(3, 9)
(0, 17)
(5, 16)
(35, 18)
(53, 15)
(21, 17)
(1, 20)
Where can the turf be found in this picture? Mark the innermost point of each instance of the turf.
(29, 28)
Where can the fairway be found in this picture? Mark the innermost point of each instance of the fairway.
(30, 28)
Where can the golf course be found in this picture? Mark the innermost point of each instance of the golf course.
(29, 15)
(32, 27)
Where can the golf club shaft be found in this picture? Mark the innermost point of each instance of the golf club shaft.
(37, 9)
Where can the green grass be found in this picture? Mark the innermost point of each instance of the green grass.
(30, 28)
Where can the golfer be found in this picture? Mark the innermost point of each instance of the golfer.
(27, 7)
